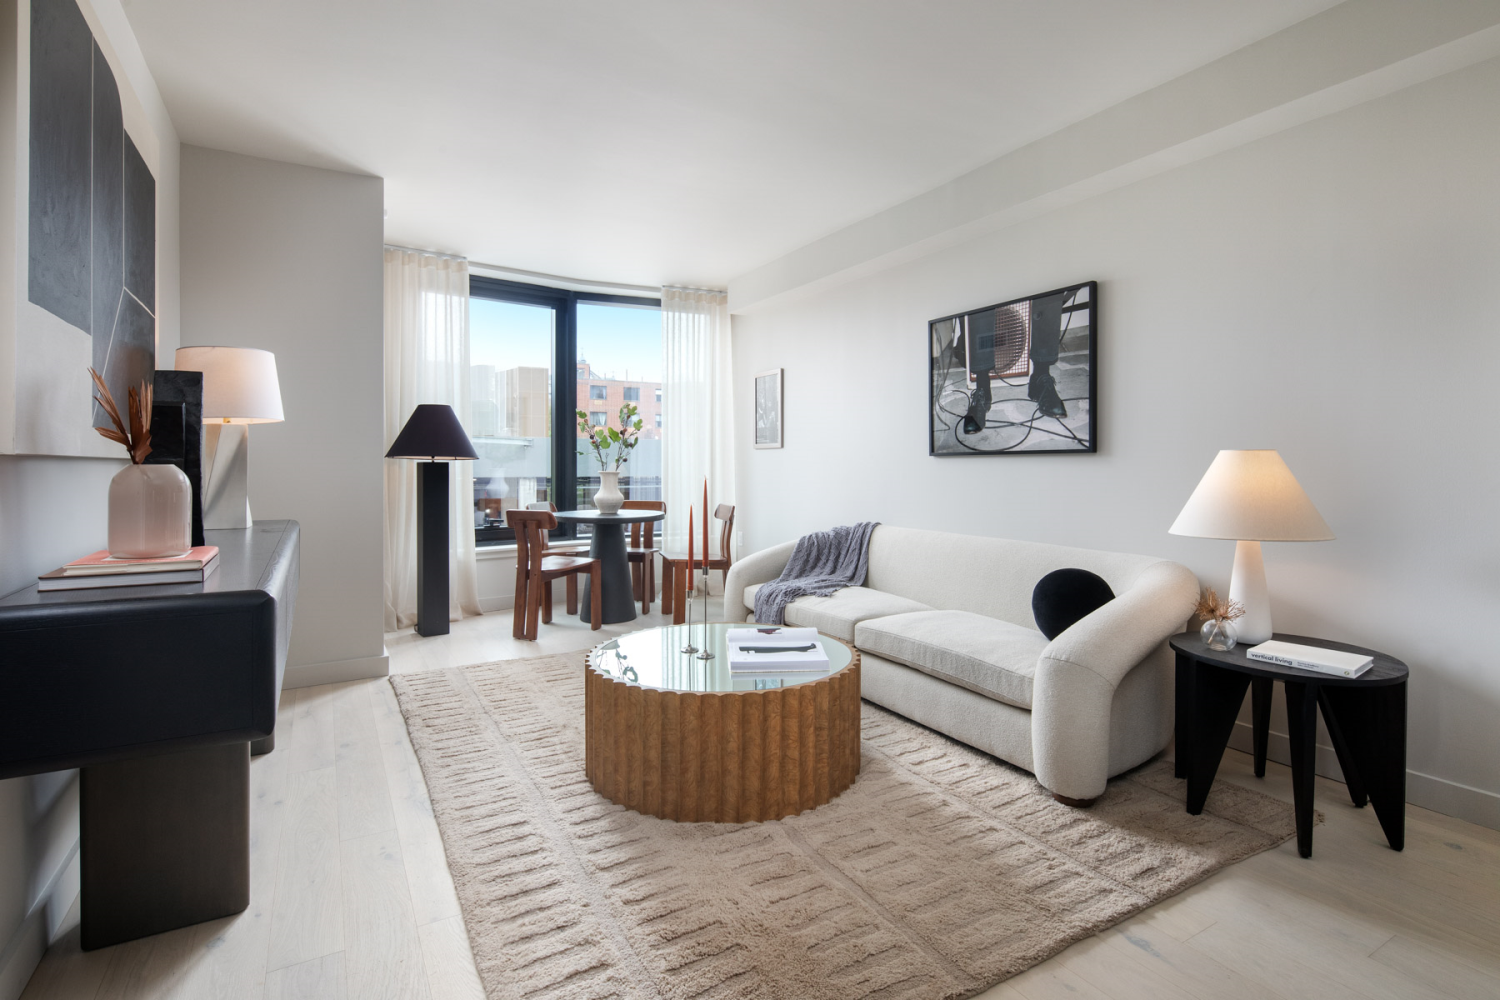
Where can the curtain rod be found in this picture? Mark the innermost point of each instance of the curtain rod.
(653, 289)
(695, 288)
(425, 253)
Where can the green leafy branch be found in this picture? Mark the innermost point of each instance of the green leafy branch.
(609, 443)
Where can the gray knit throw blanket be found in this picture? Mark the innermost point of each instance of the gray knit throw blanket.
(822, 562)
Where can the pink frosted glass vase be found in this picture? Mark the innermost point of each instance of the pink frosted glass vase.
(150, 512)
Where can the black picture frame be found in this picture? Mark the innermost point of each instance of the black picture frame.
(1019, 377)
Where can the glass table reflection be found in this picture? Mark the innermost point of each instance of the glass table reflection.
(653, 658)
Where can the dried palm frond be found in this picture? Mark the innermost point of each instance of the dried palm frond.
(104, 399)
(1211, 607)
(137, 438)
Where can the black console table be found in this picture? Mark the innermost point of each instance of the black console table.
(1366, 718)
(159, 694)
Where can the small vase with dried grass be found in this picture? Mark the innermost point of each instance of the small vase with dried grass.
(1219, 631)
(150, 506)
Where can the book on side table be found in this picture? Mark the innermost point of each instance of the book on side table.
(103, 570)
(1316, 658)
(774, 648)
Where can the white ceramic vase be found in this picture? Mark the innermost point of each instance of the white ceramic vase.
(609, 498)
(150, 512)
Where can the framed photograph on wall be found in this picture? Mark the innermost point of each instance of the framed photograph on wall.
(768, 409)
(1016, 378)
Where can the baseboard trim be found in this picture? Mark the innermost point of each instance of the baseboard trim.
(22, 954)
(1473, 805)
(336, 671)
(1279, 749)
(1453, 799)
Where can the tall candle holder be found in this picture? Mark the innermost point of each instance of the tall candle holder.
(705, 654)
(691, 591)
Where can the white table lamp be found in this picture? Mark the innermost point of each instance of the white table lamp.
(1251, 497)
(239, 388)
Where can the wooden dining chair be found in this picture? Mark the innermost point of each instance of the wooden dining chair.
(535, 571)
(674, 574)
(567, 548)
(641, 551)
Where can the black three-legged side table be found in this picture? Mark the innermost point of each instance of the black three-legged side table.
(1365, 715)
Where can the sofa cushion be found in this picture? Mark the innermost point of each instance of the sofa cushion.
(986, 655)
(750, 592)
(838, 613)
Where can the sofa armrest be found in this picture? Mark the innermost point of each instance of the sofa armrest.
(1077, 674)
(761, 567)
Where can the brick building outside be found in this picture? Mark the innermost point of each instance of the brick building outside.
(602, 398)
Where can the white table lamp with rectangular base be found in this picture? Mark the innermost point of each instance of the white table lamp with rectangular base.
(239, 388)
(1251, 497)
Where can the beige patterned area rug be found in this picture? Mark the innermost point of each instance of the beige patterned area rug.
(939, 873)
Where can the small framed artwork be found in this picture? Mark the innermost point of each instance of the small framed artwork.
(1016, 378)
(768, 409)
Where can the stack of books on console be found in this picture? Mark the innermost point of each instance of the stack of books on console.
(103, 570)
(775, 649)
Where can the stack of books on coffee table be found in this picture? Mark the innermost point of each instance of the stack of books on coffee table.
(103, 570)
(775, 649)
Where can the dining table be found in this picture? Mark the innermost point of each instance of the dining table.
(607, 544)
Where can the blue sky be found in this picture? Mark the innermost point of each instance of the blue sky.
(618, 341)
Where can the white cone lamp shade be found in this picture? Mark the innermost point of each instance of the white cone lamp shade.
(240, 387)
(1251, 497)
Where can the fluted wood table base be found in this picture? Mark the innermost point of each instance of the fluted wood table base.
(723, 757)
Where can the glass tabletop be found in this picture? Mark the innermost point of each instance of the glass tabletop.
(653, 658)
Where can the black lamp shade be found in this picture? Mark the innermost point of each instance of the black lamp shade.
(433, 432)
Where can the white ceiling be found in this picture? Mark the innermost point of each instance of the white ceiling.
(657, 141)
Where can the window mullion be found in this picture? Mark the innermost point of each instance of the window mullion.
(565, 407)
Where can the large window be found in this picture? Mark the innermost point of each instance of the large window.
(522, 415)
(619, 347)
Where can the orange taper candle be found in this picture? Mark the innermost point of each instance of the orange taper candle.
(690, 544)
(705, 524)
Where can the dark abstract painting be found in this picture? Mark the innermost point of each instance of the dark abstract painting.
(92, 207)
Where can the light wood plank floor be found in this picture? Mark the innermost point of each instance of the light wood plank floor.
(351, 896)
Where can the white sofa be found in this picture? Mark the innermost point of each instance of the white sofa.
(946, 636)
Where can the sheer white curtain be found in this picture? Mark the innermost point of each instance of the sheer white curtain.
(426, 361)
(697, 402)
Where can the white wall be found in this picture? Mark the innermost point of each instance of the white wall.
(288, 259)
(1329, 291)
(53, 510)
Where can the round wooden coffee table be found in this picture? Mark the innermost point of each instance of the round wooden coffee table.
(673, 736)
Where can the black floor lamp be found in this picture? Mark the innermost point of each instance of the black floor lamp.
(432, 432)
